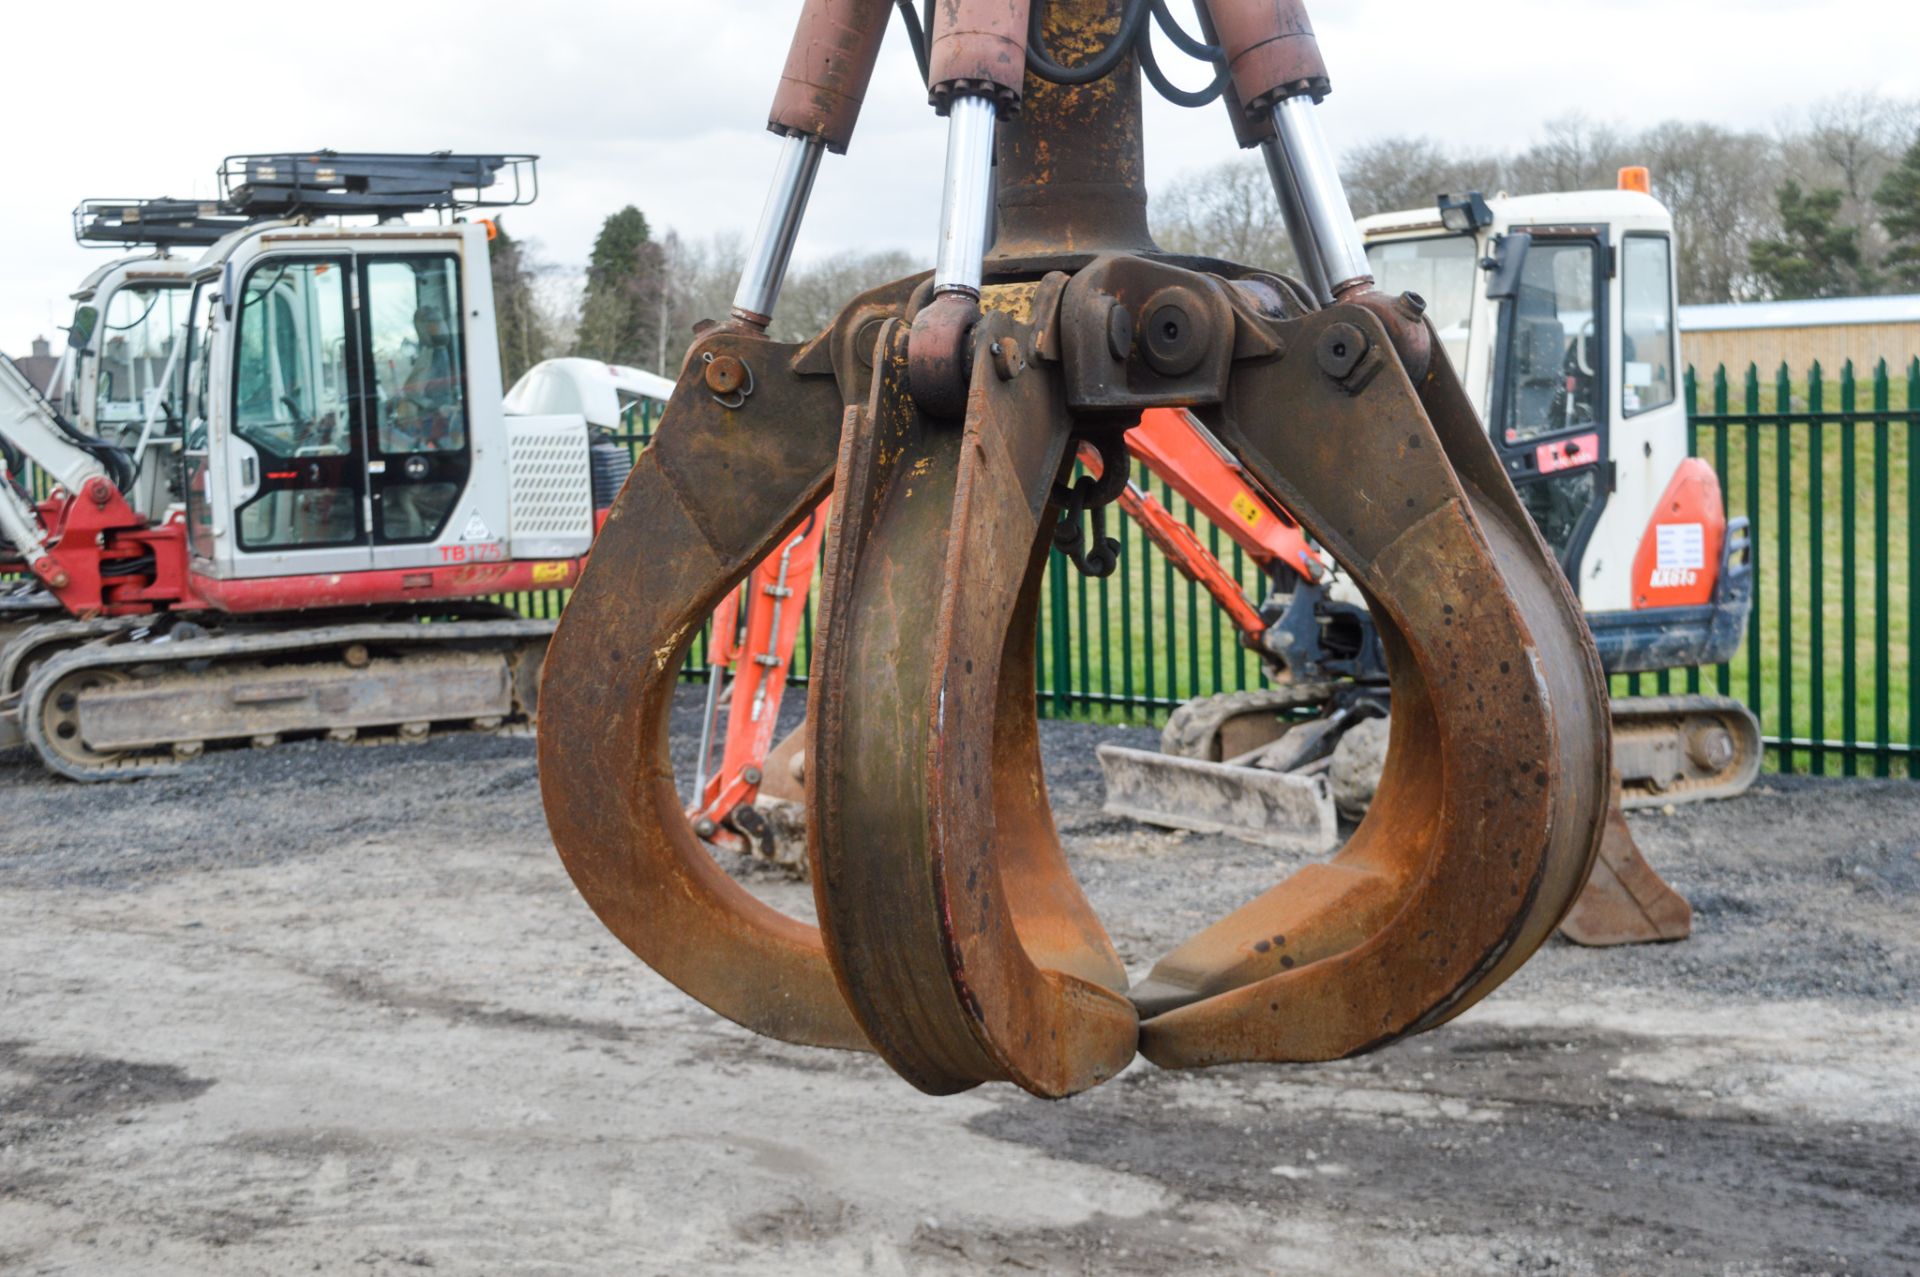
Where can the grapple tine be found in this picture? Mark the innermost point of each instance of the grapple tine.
(1489, 810)
(714, 492)
(962, 943)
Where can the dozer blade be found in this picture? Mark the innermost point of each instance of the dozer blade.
(1625, 901)
(1285, 810)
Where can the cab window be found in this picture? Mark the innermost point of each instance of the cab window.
(290, 375)
(1553, 347)
(292, 402)
(413, 321)
(136, 338)
(1647, 324)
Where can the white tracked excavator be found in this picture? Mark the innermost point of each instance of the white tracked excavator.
(264, 469)
(1558, 312)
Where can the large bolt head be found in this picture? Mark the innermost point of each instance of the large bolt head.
(725, 374)
(1177, 335)
(1342, 347)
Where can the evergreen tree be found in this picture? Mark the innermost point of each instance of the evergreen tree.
(621, 314)
(1816, 256)
(521, 328)
(1899, 200)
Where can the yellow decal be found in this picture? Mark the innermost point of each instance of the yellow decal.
(549, 573)
(1248, 509)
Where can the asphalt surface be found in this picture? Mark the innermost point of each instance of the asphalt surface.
(327, 1008)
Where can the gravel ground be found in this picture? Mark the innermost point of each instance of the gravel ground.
(327, 1009)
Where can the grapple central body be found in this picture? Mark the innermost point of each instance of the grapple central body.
(944, 415)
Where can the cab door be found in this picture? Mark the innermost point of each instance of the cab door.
(1551, 384)
(296, 459)
(415, 401)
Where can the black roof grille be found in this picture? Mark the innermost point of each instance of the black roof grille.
(345, 184)
(161, 223)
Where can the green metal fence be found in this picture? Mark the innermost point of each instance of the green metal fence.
(1824, 469)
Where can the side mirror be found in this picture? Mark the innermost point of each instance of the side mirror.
(85, 320)
(1509, 260)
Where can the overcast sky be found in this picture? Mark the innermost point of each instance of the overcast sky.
(661, 103)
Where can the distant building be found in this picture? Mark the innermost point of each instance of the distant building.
(39, 366)
(1863, 329)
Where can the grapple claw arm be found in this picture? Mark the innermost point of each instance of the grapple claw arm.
(717, 489)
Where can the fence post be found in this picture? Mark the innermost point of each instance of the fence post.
(1692, 384)
(1783, 515)
(1849, 570)
(1913, 565)
(1723, 677)
(1882, 577)
(1816, 567)
(1752, 421)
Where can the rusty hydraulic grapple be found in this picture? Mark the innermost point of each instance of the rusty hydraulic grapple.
(944, 413)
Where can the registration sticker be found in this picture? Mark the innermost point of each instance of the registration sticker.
(1681, 547)
(549, 573)
(1245, 506)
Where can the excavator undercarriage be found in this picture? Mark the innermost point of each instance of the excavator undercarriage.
(124, 698)
(944, 415)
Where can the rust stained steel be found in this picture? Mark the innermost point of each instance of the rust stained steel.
(717, 490)
(953, 939)
(1071, 179)
(961, 941)
(1486, 822)
(829, 67)
(1271, 50)
(979, 48)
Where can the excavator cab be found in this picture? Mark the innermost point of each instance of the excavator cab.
(338, 402)
(1559, 313)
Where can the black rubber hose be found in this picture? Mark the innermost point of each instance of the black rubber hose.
(1192, 46)
(917, 35)
(1041, 62)
(1173, 92)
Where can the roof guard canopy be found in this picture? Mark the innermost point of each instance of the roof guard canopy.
(343, 183)
(162, 223)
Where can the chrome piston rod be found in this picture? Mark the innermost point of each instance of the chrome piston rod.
(966, 208)
(1313, 202)
(772, 248)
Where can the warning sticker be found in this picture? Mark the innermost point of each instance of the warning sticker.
(548, 573)
(1682, 547)
(476, 529)
(1247, 508)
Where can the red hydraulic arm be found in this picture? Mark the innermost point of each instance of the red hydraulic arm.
(759, 652)
(1172, 446)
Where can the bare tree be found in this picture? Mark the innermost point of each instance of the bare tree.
(1227, 211)
(1721, 188)
(815, 292)
(1392, 174)
(1573, 154)
(701, 275)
